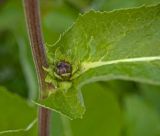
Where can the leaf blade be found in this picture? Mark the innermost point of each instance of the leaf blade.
(122, 44)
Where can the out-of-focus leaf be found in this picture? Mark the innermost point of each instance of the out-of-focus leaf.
(98, 4)
(63, 127)
(121, 87)
(12, 14)
(15, 113)
(151, 94)
(78, 4)
(58, 128)
(16, 64)
(62, 13)
(31, 130)
(117, 4)
(141, 118)
(104, 46)
(103, 115)
(28, 68)
(11, 74)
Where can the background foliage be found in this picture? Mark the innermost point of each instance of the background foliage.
(114, 108)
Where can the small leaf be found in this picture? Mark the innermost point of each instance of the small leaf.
(69, 100)
(122, 44)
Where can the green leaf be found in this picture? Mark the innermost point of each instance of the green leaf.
(11, 75)
(111, 4)
(122, 44)
(141, 118)
(31, 130)
(17, 72)
(68, 100)
(16, 114)
(151, 94)
(103, 114)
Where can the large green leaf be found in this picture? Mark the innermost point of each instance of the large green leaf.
(122, 44)
(16, 114)
(141, 118)
(103, 115)
(151, 94)
(31, 130)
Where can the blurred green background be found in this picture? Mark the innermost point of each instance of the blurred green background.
(114, 108)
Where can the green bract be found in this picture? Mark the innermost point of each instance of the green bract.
(122, 44)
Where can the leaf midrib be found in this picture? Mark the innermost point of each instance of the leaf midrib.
(88, 65)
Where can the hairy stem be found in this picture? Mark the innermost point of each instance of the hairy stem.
(31, 8)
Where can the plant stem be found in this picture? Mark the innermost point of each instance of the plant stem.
(31, 8)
